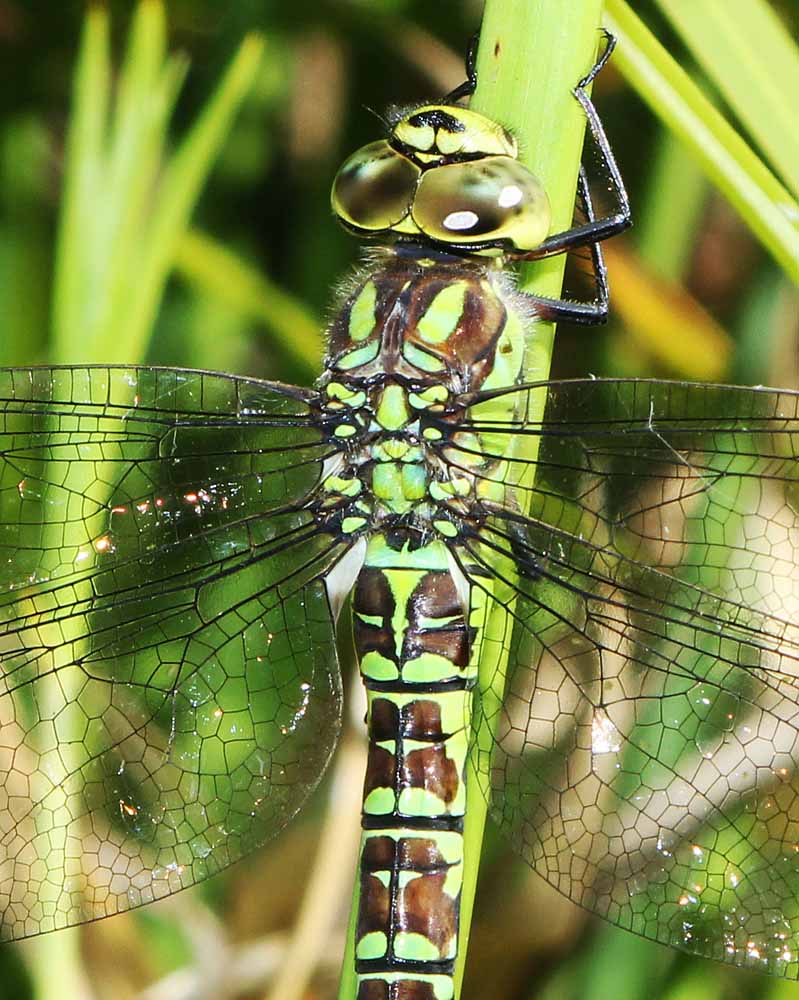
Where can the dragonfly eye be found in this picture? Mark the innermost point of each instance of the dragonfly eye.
(446, 173)
(374, 188)
(494, 198)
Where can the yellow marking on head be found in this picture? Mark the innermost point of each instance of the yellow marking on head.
(448, 130)
(418, 137)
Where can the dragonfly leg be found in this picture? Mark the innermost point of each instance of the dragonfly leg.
(469, 85)
(586, 313)
(520, 547)
(617, 221)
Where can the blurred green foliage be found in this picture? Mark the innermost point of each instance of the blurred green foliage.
(235, 283)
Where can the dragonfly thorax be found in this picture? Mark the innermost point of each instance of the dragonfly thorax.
(390, 451)
(435, 325)
(411, 345)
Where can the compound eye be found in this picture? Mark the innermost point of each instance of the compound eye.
(374, 188)
(494, 198)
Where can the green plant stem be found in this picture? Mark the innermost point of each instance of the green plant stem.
(532, 53)
(531, 56)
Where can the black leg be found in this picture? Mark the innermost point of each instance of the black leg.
(468, 87)
(597, 229)
(586, 313)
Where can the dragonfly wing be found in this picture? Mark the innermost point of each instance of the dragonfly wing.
(169, 691)
(644, 656)
(698, 480)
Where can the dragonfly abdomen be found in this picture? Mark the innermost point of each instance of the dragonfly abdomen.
(418, 336)
(413, 644)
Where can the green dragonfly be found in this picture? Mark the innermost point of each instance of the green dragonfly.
(605, 629)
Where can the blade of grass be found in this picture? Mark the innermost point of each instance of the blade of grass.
(759, 81)
(83, 171)
(148, 87)
(146, 94)
(182, 181)
(125, 204)
(764, 204)
(665, 228)
(219, 271)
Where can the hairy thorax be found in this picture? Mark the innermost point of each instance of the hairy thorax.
(418, 344)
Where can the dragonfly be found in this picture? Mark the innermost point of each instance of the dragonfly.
(584, 590)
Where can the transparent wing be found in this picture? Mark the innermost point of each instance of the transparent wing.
(169, 692)
(640, 673)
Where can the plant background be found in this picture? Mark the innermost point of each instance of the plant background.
(246, 286)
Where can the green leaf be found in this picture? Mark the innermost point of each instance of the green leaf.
(217, 270)
(126, 202)
(179, 190)
(764, 204)
(759, 81)
(82, 175)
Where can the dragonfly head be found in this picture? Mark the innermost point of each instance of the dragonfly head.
(447, 176)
